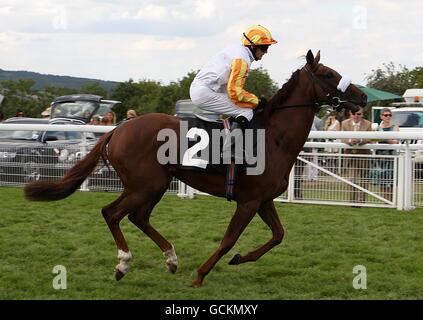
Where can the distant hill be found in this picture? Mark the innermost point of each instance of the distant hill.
(44, 80)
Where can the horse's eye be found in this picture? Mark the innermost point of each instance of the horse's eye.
(329, 75)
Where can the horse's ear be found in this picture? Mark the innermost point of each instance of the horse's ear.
(317, 59)
(310, 58)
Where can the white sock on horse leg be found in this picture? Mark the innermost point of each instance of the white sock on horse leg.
(172, 259)
(124, 259)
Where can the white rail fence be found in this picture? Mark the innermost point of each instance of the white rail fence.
(319, 176)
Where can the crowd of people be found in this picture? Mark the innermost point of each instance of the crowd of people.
(109, 119)
(356, 167)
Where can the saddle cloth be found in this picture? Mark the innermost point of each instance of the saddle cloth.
(205, 141)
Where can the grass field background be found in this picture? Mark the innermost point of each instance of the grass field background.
(322, 245)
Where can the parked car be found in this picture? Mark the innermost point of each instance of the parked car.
(81, 107)
(410, 119)
(35, 155)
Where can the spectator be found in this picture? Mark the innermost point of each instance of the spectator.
(357, 167)
(19, 113)
(332, 124)
(46, 113)
(104, 121)
(1, 116)
(412, 120)
(95, 121)
(130, 114)
(345, 115)
(109, 119)
(385, 166)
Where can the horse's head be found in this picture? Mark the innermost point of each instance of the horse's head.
(331, 88)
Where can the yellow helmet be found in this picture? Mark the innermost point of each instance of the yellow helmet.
(257, 35)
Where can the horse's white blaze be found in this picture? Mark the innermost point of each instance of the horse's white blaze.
(124, 259)
(172, 259)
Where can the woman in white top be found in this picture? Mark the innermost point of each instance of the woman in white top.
(332, 124)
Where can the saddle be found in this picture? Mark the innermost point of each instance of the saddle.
(205, 137)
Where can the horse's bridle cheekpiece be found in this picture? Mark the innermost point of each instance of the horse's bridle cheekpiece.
(332, 91)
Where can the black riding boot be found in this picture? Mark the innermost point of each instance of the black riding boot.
(235, 137)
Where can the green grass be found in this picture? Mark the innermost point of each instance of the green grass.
(322, 244)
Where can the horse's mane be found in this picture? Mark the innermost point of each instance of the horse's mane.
(282, 94)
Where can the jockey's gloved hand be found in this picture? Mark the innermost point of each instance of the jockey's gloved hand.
(262, 103)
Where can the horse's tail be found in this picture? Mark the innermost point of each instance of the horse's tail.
(49, 191)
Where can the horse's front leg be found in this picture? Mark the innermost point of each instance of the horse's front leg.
(241, 218)
(269, 215)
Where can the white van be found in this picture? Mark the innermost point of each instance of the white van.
(407, 115)
(413, 101)
(413, 95)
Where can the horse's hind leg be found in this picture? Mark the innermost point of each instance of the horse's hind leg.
(113, 214)
(269, 215)
(242, 217)
(141, 218)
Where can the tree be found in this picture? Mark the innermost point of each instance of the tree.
(150, 96)
(391, 78)
(94, 88)
(417, 77)
(142, 96)
(185, 83)
(260, 83)
(54, 92)
(173, 92)
(20, 86)
(20, 96)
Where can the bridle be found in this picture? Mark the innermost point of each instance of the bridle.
(334, 96)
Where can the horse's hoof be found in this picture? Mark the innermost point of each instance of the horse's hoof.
(235, 259)
(172, 267)
(118, 274)
(197, 284)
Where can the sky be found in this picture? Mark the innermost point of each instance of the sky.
(165, 40)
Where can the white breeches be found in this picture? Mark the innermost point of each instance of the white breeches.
(217, 102)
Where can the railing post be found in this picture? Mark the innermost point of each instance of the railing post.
(400, 182)
(185, 191)
(291, 184)
(190, 192)
(181, 189)
(84, 185)
(408, 178)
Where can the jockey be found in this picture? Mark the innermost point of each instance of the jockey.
(219, 85)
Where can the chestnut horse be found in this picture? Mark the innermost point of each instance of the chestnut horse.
(131, 149)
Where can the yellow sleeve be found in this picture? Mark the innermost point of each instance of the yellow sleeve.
(235, 87)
